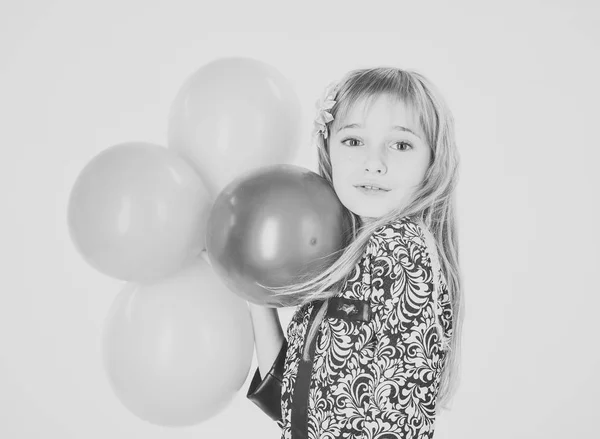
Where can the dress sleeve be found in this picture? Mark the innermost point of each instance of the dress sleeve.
(266, 393)
(407, 361)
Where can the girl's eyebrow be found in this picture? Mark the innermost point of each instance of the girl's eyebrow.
(394, 127)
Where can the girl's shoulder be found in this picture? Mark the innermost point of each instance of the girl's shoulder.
(406, 237)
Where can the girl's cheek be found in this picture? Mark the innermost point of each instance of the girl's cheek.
(351, 156)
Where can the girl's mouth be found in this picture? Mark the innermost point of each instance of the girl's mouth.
(371, 190)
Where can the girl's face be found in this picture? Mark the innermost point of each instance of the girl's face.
(381, 146)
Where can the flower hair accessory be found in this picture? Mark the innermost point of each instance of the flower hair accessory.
(323, 105)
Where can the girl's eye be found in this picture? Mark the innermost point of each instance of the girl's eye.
(403, 146)
(350, 140)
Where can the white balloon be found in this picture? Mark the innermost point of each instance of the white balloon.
(234, 115)
(177, 350)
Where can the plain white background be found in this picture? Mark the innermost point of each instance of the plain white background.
(522, 80)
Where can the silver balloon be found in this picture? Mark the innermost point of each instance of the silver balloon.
(274, 226)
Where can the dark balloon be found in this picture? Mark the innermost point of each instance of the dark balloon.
(274, 226)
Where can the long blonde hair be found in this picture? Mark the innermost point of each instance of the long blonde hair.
(433, 203)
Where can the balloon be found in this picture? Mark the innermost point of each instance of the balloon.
(176, 351)
(234, 115)
(274, 226)
(138, 211)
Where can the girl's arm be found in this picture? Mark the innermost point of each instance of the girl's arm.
(268, 335)
(408, 356)
(271, 347)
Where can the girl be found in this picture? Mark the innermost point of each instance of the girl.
(373, 346)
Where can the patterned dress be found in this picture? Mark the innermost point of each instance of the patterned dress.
(377, 358)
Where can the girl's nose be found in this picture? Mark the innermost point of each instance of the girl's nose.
(375, 164)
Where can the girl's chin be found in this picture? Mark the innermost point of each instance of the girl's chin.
(370, 215)
(363, 210)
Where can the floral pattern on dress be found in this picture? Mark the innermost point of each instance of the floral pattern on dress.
(376, 379)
